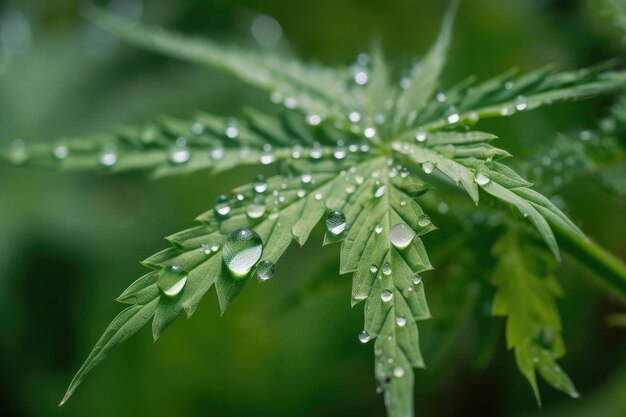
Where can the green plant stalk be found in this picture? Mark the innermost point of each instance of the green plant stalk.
(609, 270)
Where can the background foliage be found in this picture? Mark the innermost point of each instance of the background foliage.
(287, 347)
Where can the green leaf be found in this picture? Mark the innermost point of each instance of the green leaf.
(364, 150)
(316, 90)
(425, 75)
(526, 297)
(127, 323)
(386, 275)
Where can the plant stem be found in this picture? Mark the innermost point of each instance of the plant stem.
(610, 270)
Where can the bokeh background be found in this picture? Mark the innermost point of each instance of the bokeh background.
(70, 243)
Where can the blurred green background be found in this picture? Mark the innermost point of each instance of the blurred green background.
(70, 243)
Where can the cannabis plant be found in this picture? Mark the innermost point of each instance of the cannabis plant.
(372, 158)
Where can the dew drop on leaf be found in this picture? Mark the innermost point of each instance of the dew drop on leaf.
(364, 337)
(424, 221)
(259, 185)
(401, 321)
(180, 155)
(108, 158)
(421, 135)
(336, 222)
(61, 152)
(481, 179)
(386, 296)
(398, 372)
(265, 270)
(172, 280)
(379, 190)
(255, 210)
(222, 205)
(417, 280)
(242, 250)
(428, 167)
(386, 269)
(373, 269)
(378, 229)
(401, 235)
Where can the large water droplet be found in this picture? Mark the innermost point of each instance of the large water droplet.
(386, 296)
(259, 185)
(265, 270)
(172, 280)
(428, 167)
(481, 179)
(401, 321)
(336, 222)
(364, 336)
(222, 205)
(241, 251)
(424, 221)
(256, 210)
(401, 235)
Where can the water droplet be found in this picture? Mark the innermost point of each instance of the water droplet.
(339, 154)
(454, 118)
(386, 269)
(242, 250)
(222, 205)
(108, 158)
(354, 117)
(378, 229)
(300, 193)
(417, 280)
(266, 30)
(401, 321)
(266, 158)
(398, 372)
(61, 152)
(386, 296)
(428, 167)
(369, 132)
(361, 77)
(521, 104)
(318, 196)
(217, 154)
(401, 235)
(481, 179)
(172, 280)
(336, 222)
(380, 190)
(231, 130)
(313, 119)
(441, 97)
(180, 155)
(424, 221)
(421, 136)
(197, 128)
(259, 185)
(265, 270)
(256, 210)
(373, 269)
(364, 337)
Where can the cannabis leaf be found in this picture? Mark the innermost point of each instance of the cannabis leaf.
(351, 147)
(526, 296)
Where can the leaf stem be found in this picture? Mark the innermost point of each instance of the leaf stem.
(609, 270)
